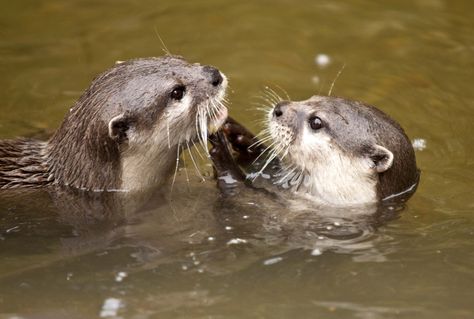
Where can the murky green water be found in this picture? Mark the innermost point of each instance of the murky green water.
(192, 254)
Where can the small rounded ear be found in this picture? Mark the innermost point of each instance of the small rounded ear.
(381, 158)
(119, 128)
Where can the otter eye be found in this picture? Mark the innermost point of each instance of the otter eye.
(178, 92)
(315, 122)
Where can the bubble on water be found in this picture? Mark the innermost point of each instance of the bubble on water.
(210, 238)
(245, 217)
(120, 276)
(110, 307)
(419, 144)
(337, 224)
(316, 252)
(322, 60)
(316, 80)
(228, 227)
(236, 241)
(272, 261)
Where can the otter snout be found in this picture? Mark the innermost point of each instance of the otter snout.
(286, 113)
(215, 76)
(279, 108)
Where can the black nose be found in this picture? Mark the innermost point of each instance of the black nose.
(278, 110)
(216, 77)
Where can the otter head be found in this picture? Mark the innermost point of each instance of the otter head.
(128, 128)
(340, 151)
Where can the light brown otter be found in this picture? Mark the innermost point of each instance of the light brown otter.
(125, 132)
(332, 150)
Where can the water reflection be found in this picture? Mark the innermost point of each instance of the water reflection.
(413, 59)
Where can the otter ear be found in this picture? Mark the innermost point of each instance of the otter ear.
(381, 158)
(119, 128)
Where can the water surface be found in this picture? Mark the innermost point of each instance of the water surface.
(192, 253)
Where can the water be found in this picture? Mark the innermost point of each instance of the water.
(194, 254)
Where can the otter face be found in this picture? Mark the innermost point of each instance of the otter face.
(330, 148)
(175, 104)
(139, 116)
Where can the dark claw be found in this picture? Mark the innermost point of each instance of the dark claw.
(241, 141)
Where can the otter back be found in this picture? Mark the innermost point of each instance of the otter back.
(22, 164)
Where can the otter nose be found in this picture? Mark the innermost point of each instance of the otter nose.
(278, 110)
(216, 77)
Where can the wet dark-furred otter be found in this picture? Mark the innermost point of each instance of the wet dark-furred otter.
(125, 132)
(332, 150)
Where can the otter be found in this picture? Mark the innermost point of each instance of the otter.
(126, 131)
(329, 149)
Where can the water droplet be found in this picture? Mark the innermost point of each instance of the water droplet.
(322, 60)
(419, 144)
(236, 241)
(272, 261)
(110, 307)
(120, 276)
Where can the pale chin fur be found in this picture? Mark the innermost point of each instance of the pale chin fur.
(319, 170)
(149, 161)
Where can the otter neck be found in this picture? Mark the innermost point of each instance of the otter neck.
(335, 186)
(142, 169)
(81, 154)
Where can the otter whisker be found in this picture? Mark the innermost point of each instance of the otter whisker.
(263, 105)
(260, 142)
(263, 109)
(176, 168)
(284, 178)
(199, 152)
(203, 130)
(214, 110)
(264, 151)
(194, 163)
(269, 160)
(275, 94)
(186, 172)
(268, 100)
(284, 91)
(164, 48)
(274, 99)
(335, 79)
(263, 132)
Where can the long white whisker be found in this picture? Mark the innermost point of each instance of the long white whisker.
(284, 91)
(275, 94)
(194, 162)
(176, 168)
(264, 151)
(269, 160)
(335, 79)
(281, 180)
(186, 171)
(260, 142)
